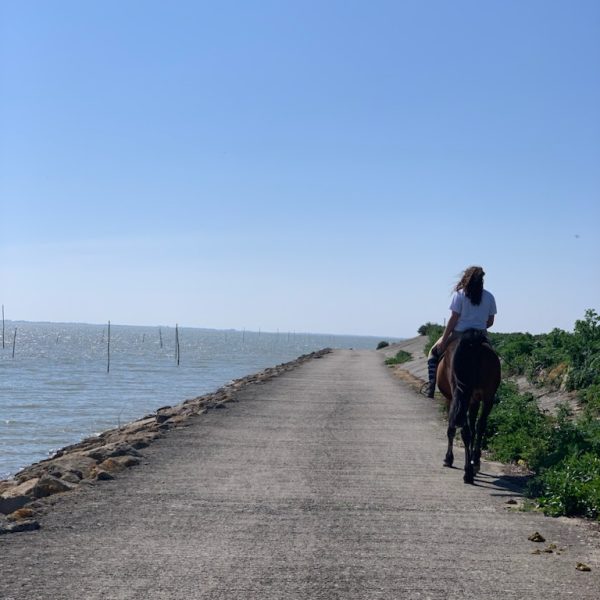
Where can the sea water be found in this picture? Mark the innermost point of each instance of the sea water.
(57, 388)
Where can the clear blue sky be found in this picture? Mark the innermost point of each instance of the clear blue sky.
(325, 166)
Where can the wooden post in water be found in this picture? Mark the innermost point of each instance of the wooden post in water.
(177, 343)
(160, 336)
(108, 350)
(14, 342)
(3, 325)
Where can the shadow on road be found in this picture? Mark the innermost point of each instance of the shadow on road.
(503, 485)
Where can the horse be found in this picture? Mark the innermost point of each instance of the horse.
(468, 376)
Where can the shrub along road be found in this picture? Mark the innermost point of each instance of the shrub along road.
(326, 482)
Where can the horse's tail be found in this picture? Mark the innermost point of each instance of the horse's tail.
(465, 373)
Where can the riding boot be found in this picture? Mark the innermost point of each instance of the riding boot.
(432, 363)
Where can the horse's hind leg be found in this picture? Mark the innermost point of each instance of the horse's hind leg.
(472, 420)
(449, 459)
(469, 476)
(481, 426)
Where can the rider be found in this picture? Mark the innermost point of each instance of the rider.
(472, 307)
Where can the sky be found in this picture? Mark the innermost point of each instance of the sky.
(321, 166)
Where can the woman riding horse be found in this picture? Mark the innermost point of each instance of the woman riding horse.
(469, 373)
(472, 307)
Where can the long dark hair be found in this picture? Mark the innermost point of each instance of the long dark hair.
(471, 282)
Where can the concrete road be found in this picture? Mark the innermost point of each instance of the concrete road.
(326, 482)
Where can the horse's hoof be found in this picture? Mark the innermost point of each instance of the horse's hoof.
(448, 463)
(469, 479)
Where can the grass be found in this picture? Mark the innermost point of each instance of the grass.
(401, 357)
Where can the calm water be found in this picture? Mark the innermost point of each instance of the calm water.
(56, 391)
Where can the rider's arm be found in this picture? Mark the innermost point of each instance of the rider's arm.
(490, 321)
(452, 321)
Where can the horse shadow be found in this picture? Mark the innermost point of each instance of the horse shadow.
(501, 485)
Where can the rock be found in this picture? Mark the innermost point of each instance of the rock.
(179, 420)
(143, 439)
(17, 526)
(536, 537)
(101, 475)
(72, 477)
(111, 465)
(110, 450)
(73, 462)
(166, 412)
(117, 464)
(78, 464)
(136, 426)
(17, 496)
(49, 485)
(7, 485)
(21, 514)
(582, 567)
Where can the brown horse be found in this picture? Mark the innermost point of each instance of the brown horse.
(468, 376)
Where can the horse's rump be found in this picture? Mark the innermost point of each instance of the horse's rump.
(475, 373)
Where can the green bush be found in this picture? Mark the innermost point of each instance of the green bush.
(434, 332)
(382, 345)
(517, 430)
(401, 357)
(584, 352)
(427, 327)
(556, 358)
(571, 487)
(590, 399)
(514, 349)
(563, 452)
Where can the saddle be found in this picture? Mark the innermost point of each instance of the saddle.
(469, 336)
(475, 336)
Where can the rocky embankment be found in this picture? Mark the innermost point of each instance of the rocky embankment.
(98, 458)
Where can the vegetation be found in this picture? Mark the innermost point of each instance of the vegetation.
(556, 359)
(425, 329)
(433, 331)
(401, 357)
(382, 344)
(562, 451)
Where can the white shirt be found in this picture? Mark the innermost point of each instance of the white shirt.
(472, 316)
